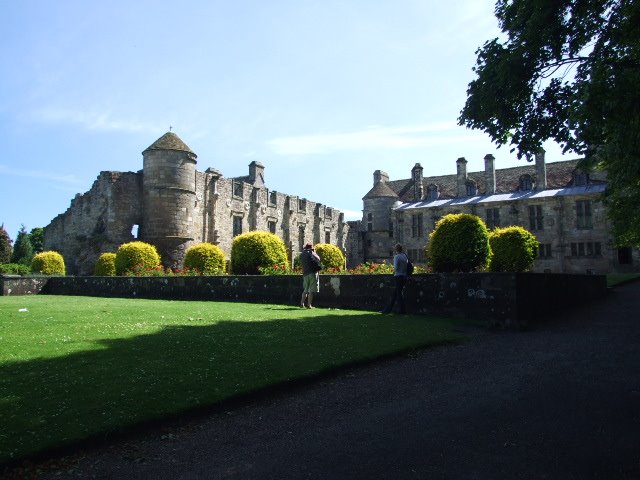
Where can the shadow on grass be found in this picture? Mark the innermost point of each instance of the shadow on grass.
(55, 402)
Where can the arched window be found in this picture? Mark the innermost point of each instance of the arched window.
(432, 192)
(472, 188)
(526, 182)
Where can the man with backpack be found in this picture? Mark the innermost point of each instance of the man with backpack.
(311, 265)
(401, 268)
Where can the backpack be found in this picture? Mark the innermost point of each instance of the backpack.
(314, 263)
(409, 267)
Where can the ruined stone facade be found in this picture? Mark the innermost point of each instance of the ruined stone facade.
(175, 206)
(560, 204)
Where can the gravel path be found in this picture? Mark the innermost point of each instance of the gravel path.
(560, 401)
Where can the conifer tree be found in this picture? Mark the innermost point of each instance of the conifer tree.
(5, 245)
(22, 250)
(37, 239)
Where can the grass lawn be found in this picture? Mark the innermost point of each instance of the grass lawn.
(614, 279)
(74, 367)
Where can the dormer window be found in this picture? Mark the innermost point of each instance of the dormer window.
(526, 183)
(472, 188)
(580, 179)
(432, 192)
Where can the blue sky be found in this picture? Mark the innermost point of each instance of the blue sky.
(321, 93)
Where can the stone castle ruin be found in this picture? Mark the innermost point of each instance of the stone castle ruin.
(172, 205)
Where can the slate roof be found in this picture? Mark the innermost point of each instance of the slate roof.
(170, 141)
(501, 197)
(382, 189)
(559, 175)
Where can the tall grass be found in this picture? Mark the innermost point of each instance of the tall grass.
(75, 367)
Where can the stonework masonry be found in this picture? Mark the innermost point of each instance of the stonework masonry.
(175, 206)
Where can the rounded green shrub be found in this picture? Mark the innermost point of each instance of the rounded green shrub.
(206, 258)
(48, 263)
(459, 243)
(106, 265)
(331, 256)
(514, 249)
(252, 250)
(136, 255)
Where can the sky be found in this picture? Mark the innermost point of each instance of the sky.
(321, 93)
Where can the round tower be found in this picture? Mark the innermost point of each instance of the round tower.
(377, 220)
(169, 197)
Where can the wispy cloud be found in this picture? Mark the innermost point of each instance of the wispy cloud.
(91, 120)
(394, 138)
(54, 177)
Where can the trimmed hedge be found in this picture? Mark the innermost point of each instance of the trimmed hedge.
(106, 265)
(459, 243)
(514, 249)
(330, 256)
(136, 254)
(206, 258)
(48, 263)
(252, 250)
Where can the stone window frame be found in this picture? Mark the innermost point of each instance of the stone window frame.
(536, 218)
(272, 225)
(492, 215)
(584, 215)
(433, 192)
(327, 236)
(237, 189)
(471, 188)
(302, 205)
(417, 225)
(525, 183)
(236, 222)
(272, 197)
(545, 251)
(586, 249)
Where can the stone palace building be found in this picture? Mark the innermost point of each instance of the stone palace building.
(560, 204)
(170, 204)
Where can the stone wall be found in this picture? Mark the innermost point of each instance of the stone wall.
(506, 300)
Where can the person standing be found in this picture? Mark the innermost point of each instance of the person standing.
(400, 263)
(310, 262)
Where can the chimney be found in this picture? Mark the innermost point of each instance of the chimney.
(380, 176)
(541, 171)
(461, 163)
(490, 174)
(416, 175)
(256, 174)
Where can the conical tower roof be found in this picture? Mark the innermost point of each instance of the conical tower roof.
(380, 190)
(170, 141)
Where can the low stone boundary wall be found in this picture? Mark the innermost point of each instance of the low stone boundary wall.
(504, 299)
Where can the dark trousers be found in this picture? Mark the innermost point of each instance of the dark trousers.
(398, 294)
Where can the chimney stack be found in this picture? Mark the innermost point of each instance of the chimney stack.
(416, 175)
(490, 174)
(461, 164)
(256, 174)
(380, 176)
(541, 170)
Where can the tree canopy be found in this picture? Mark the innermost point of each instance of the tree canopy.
(5, 246)
(36, 236)
(570, 72)
(22, 249)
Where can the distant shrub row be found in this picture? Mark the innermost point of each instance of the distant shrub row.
(459, 243)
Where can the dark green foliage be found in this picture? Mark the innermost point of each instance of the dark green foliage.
(48, 263)
(459, 243)
(567, 71)
(36, 236)
(22, 250)
(5, 246)
(14, 269)
(136, 254)
(253, 250)
(106, 265)
(331, 256)
(206, 258)
(514, 249)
